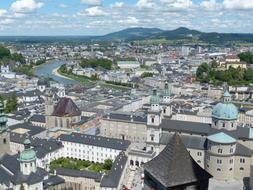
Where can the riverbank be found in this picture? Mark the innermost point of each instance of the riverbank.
(56, 73)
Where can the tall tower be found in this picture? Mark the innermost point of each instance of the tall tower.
(166, 108)
(4, 133)
(154, 119)
(27, 159)
(49, 103)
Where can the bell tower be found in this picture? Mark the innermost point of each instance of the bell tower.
(4, 133)
(154, 119)
(166, 99)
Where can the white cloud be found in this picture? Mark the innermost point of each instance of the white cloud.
(92, 2)
(129, 21)
(94, 11)
(182, 4)
(25, 6)
(6, 21)
(62, 5)
(3, 12)
(238, 4)
(117, 5)
(145, 4)
(210, 5)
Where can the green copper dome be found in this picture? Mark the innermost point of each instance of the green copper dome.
(225, 110)
(155, 99)
(222, 138)
(28, 154)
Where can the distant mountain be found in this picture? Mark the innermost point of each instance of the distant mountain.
(131, 34)
(181, 33)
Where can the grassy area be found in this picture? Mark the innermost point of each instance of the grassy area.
(82, 79)
(76, 164)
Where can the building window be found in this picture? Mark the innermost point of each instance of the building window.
(199, 161)
(241, 168)
(218, 169)
(152, 120)
(4, 141)
(152, 137)
(242, 160)
(230, 169)
(220, 150)
(199, 153)
(219, 161)
(223, 125)
(207, 166)
(231, 150)
(231, 161)
(164, 110)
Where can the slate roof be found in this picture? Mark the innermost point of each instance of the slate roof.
(194, 142)
(37, 118)
(126, 117)
(66, 107)
(41, 146)
(113, 178)
(202, 129)
(200, 143)
(95, 141)
(10, 172)
(174, 166)
(52, 181)
(77, 173)
(32, 130)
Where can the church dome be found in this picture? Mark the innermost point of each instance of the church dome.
(225, 110)
(28, 154)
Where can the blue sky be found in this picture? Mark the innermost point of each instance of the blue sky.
(98, 17)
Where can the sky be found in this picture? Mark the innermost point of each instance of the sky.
(99, 17)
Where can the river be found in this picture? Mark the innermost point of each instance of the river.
(46, 70)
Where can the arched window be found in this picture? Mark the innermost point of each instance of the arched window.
(241, 168)
(56, 122)
(218, 169)
(67, 121)
(61, 123)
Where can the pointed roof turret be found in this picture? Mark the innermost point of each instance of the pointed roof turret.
(167, 89)
(154, 99)
(174, 166)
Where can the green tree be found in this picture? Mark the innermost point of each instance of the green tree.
(146, 74)
(4, 52)
(18, 57)
(11, 104)
(107, 164)
(247, 57)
